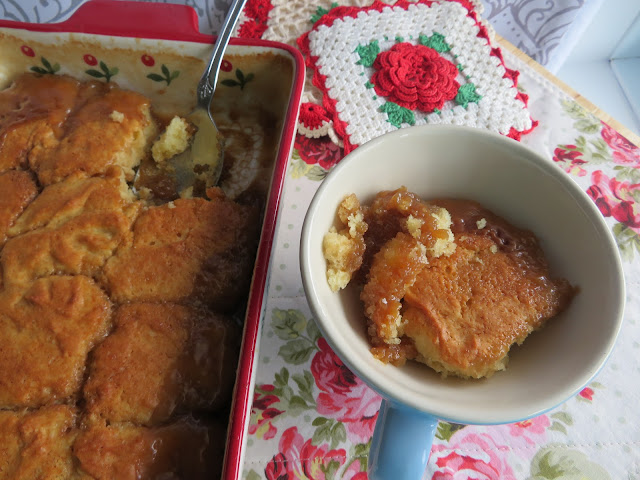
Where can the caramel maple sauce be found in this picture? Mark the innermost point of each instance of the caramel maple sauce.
(446, 282)
(120, 313)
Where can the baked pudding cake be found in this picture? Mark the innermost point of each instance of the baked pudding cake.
(19, 189)
(195, 250)
(48, 329)
(120, 303)
(447, 282)
(38, 443)
(57, 126)
(160, 358)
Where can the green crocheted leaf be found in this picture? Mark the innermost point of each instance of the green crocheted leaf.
(467, 94)
(435, 41)
(368, 53)
(397, 114)
(321, 11)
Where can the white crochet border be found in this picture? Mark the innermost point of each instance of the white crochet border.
(335, 46)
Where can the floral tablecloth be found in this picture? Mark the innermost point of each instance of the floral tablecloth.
(313, 419)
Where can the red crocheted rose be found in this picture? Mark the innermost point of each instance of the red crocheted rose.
(312, 115)
(258, 10)
(251, 29)
(415, 77)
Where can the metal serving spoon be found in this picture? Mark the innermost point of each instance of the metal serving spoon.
(201, 164)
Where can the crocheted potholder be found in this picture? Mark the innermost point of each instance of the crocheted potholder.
(382, 68)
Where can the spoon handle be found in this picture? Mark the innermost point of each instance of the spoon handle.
(207, 84)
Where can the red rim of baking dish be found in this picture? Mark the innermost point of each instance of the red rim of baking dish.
(180, 22)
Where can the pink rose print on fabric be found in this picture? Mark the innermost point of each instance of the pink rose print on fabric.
(415, 77)
(262, 413)
(587, 393)
(534, 426)
(298, 458)
(623, 151)
(616, 199)
(524, 435)
(571, 159)
(343, 396)
(318, 151)
(471, 456)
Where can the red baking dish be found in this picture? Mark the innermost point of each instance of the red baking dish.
(137, 41)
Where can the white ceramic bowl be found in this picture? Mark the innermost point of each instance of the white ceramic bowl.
(529, 191)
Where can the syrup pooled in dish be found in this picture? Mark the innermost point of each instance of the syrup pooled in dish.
(120, 307)
(446, 282)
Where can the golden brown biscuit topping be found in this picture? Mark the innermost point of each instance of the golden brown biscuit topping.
(18, 190)
(37, 444)
(119, 330)
(161, 358)
(48, 329)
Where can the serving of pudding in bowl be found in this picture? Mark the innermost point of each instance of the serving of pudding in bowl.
(509, 192)
(445, 282)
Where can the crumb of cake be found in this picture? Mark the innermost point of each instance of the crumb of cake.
(414, 226)
(343, 249)
(443, 246)
(145, 193)
(171, 205)
(117, 116)
(355, 219)
(477, 259)
(337, 249)
(493, 249)
(481, 223)
(173, 141)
